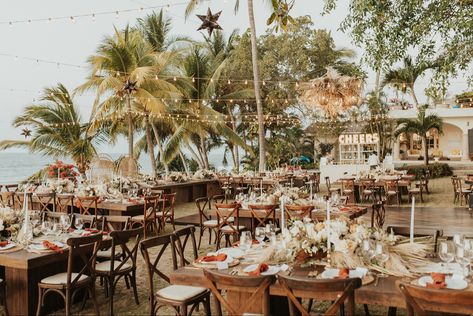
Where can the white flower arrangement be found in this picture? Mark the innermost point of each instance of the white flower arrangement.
(176, 176)
(203, 174)
(61, 185)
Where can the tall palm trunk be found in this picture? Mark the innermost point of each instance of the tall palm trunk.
(235, 154)
(160, 148)
(414, 97)
(377, 83)
(149, 143)
(203, 150)
(426, 150)
(259, 103)
(130, 127)
(195, 156)
(184, 163)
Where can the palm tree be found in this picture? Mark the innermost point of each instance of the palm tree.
(57, 130)
(126, 70)
(404, 78)
(420, 126)
(276, 4)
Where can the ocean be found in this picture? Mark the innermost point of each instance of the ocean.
(16, 167)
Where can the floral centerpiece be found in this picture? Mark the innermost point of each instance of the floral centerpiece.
(86, 190)
(10, 221)
(305, 240)
(59, 186)
(176, 176)
(60, 170)
(202, 174)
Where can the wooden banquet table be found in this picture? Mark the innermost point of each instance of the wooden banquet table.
(23, 271)
(384, 292)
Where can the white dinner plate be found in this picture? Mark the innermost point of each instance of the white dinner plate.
(452, 283)
(42, 247)
(271, 269)
(232, 252)
(8, 246)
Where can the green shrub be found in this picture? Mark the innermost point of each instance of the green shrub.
(436, 170)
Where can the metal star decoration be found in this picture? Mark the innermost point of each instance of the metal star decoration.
(130, 86)
(209, 21)
(26, 132)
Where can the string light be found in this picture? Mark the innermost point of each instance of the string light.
(92, 14)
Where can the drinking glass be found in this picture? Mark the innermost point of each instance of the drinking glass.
(65, 221)
(79, 223)
(260, 234)
(461, 257)
(445, 252)
(245, 241)
(381, 256)
(458, 239)
(367, 250)
(269, 229)
(46, 227)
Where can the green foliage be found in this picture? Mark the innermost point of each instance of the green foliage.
(436, 170)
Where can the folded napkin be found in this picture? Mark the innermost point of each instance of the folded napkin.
(214, 258)
(262, 267)
(438, 281)
(4, 243)
(52, 246)
(343, 273)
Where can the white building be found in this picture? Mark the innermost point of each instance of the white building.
(452, 145)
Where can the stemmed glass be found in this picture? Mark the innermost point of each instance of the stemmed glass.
(462, 258)
(78, 223)
(245, 241)
(381, 256)
(367, 250)
(445, 252)
(458, 239)
(260, 234)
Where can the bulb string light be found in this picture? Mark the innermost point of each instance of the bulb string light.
(92, 16)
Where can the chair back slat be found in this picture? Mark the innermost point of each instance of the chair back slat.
(120, 239)
(225, 212)
(88, 205)
(262, 213)
(45, 201)
(180, 240)
(257, 286)
(64, 203)
(298, 211)
(202, 204)
(82, 250)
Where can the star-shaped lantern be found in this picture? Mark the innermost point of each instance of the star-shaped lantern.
(209, 21)
(26, 132)
(130, 86)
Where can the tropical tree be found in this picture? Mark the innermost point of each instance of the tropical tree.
(420, 126)
(57, 130)
(281, 8)
(404, 78)
(125, 71)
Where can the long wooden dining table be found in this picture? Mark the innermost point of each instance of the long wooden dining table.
(382, 292)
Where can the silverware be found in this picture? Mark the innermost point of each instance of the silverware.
(376, 280)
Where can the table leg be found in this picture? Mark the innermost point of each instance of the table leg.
(21, 292)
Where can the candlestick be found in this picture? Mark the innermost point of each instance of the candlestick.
(261, 187)
(311, 193)
(283, 219)
(411, 235)
(328, 226)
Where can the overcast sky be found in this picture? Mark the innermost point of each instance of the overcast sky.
(72, 42)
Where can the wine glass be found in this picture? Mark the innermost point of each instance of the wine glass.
(458, 239)
(65, 221)
(79, 223)
(260, 234)
(46, 227)
(367, 250)
(461, 257)
(381, 256)
(445, 252)
(245, 241)
(269, 229)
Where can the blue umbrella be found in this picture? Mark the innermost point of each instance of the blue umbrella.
(301, 159)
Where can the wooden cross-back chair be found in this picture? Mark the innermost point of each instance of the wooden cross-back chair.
(255, 183)
(88, 221)
(257, 286)
(420, 300)
(345, 289)
(225, 186)
(228, 222)
(54, 216)
(219, 198)
(149, 219)
(109, 224)
(391, 190)
(11, 187)
(64, 203)
(348, 189)
(205, 220)
(458, 192)
(179, 297)
(166, 210)
(181, 238)
(83, 251)
(239, 185)
(315, 178)
(125, 267)
(378, 214)
(294, 211)
(368, 190)
(88, 205)
(330, 188)
(19, 199)
(261, 214)
(419, 190)
(45, 202)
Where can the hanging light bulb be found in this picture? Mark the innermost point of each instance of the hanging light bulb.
(93, 17)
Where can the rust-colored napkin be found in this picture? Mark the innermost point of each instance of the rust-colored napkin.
(4, 243)
(52, 246)
(438, 281)
(343, 273)
(217, 258)
(262, 267)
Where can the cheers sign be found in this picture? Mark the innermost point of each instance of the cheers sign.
(348, 139)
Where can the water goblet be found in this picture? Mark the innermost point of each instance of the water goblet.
(445, 252)
(245, 241)
(367, 250)
(458, 239)
(78, 223)
(381, 256)
(260, 234)
(461, 257)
